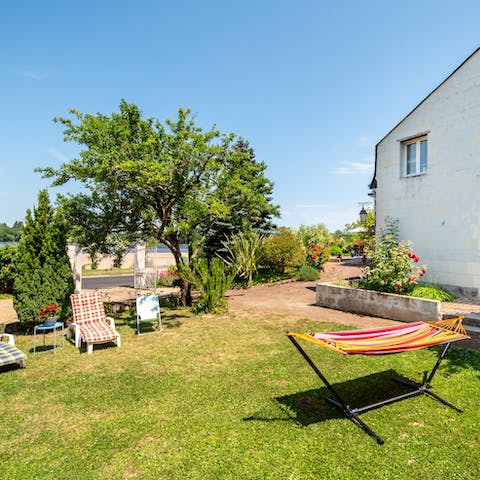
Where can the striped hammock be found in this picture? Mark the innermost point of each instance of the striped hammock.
(380, 341)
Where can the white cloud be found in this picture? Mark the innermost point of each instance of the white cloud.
(354, 168)
(29, 73)
(54, 153)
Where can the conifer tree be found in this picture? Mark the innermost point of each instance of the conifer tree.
(43, 273)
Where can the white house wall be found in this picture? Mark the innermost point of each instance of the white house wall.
(439, 211)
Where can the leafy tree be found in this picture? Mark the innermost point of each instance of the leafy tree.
(249, 210)
(171, 182)
(10, 234)
(92, 251)
(310, 235)
(43, 273)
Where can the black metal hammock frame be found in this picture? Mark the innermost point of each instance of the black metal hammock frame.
(381, 341)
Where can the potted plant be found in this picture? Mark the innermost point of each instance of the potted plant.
(47, 314)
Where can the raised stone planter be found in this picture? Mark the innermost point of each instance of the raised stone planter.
(377, 304)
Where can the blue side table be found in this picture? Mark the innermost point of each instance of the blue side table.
(45, 328)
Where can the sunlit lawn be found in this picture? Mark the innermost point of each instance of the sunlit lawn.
(87, 272)
(229, 397)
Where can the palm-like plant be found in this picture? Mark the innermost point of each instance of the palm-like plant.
(244, 251)
(212, 279)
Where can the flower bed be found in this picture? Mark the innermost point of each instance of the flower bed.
(377, 304)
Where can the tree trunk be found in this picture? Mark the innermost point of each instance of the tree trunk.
(186, 293)
(185, 286)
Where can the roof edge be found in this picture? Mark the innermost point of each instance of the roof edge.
(373, 183)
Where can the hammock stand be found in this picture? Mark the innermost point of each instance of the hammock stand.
(380, 341)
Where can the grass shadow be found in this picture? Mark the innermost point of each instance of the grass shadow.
(49, 348)
(8, 368)
(97, 346)
(170, 319)
(310, 406)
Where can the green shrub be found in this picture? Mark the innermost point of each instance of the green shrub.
(307, 273)
(267, 275)
(335, 250)
(432, 292)
(7, 268)
(212, 278)
(243, 253)
(394, 267)
(282, 251)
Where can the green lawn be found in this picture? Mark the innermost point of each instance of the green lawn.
(230, 398)
(88, 272)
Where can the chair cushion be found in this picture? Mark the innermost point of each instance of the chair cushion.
(97, 331)
(10, 354)
(87, 307)
(89, 315)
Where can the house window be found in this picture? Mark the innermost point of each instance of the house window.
(415, 156)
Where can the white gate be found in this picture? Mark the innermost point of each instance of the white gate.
(144, 276)
(149, 263)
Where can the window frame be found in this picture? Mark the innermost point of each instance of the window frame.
(417, 141)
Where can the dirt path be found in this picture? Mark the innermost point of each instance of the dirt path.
(291, 298)
(7, 313)
(298, 299)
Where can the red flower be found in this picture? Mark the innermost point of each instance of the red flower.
(415, 259)
(48, 310)
(411, 279)
(398, 286)
(314, 257)
(314, 248)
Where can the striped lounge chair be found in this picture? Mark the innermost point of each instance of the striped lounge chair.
(90, 323)
(9, 353)
(382, 341)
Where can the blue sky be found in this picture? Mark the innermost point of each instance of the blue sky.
(312, 85)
